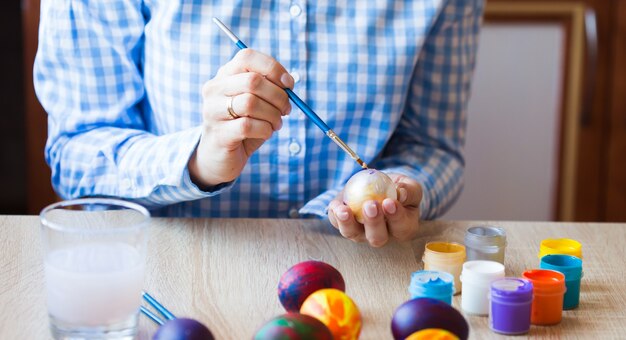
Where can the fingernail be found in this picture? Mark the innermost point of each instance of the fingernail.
(287, 80)
(370, 209)
(390, 206)
(342, 215)
(402, 194)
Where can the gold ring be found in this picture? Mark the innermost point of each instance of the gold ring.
(230, 110)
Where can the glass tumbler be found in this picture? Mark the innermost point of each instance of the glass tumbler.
(94, 264)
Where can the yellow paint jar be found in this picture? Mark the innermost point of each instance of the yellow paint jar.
(560, 246)
(446, 257)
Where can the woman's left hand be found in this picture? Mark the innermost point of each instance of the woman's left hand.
(393, 218)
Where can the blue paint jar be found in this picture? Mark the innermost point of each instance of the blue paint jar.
(572, 268)
(432, 284)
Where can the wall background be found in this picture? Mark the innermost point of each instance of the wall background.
(513, 125)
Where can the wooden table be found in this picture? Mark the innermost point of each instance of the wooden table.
(224, 272)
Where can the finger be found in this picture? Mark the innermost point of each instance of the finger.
(402, 222)
(332, 218)
(249, 82)
(237, 130)
(249, 105)
(249, 60)
(374, 224)
(409, 191)
(252, 144)
(347, 225)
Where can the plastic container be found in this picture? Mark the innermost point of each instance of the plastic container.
(548, 290)
(510, 302)
(445, 257)
(485, 243)
(572, 268)
(476, 278)
(560, 246)
(432, 284)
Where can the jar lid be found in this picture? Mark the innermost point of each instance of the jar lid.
(512, 289)
(432, 282)
(560, 246)
(481, 271)
(546, 281)
(486, 236)
(569, 265)
(445, 251)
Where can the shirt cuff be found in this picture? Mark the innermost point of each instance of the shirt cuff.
(319, 205)
(172, 183)
(189, 186)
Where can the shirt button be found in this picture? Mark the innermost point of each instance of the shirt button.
(296, 76)
(293, 213)
(295, 10)
(126, 183)
(294, 148)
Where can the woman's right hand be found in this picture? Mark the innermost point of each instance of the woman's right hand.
(254, 84)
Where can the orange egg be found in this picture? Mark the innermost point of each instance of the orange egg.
(336, 310)
(432, 334)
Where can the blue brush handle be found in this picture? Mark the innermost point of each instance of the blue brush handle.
(299, 102)
(151, 315)
(159, 307)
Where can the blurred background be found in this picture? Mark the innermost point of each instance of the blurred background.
(546, 138)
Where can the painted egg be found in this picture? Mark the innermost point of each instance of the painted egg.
(301, 280)
(183, 329)
(422, 313)
(367, 185)
(293, 326)
(432, 334)
(336, 310)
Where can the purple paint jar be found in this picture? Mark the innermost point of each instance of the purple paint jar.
(510, 305)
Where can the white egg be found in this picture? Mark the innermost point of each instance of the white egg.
(366, 185)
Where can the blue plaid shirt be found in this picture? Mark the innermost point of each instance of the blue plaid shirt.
(121, 82)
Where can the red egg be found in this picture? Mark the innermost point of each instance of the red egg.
(183, 329)
(423, 313)
(301, 280)
(293, 326)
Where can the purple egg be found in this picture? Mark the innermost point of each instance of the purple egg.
(183, 329)
(422, 313)
(293, 326)
(301, 280)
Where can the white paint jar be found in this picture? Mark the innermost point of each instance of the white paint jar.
(476, 278)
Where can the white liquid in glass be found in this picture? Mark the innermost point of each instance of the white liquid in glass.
(94, 284)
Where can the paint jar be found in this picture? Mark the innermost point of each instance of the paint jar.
(485, 243)
(510, 302)
(548, 290)
(476, 278)
(561, 246)
(445, 257)
(572, 268)
(432, 284)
